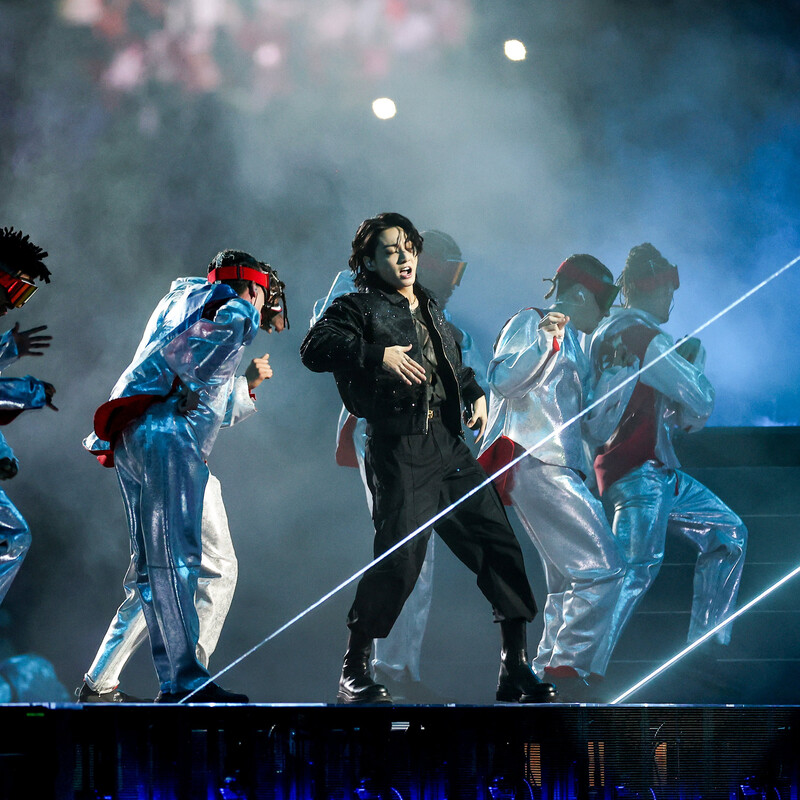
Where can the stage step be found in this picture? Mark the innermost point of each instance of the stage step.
(756, 471)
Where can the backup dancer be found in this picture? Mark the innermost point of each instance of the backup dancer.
(540, 379)
(396, 659)
(158, 429)
(397, 365)
(645, 494)
(216, 581)
(21, 263)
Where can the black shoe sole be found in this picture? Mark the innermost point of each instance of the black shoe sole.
(516, 696)
(346, 699)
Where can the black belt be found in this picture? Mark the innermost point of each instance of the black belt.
(435, 413)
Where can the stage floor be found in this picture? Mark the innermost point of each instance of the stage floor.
(555, 751)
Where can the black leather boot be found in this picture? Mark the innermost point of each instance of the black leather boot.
(356, 685)
(517, 681)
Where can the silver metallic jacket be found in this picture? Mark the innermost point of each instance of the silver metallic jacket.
(684, 397)
(537, 387)
(181, 343)
(16, 394)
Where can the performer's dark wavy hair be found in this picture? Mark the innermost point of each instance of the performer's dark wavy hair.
(593, 266)
(226, 258)
(366, 240)
(19, 255)
(643, 261)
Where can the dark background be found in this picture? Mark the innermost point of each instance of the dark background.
(671, 122)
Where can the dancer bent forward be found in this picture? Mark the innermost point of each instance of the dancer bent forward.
(158, 429)
(645, 494)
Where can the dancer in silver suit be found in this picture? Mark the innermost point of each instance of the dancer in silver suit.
(216, 582)
(540, 379)
(396, 659)
(21, 262)
(158, 429)
(644, 493)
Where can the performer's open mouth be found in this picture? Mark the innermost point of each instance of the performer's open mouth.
(405, 272)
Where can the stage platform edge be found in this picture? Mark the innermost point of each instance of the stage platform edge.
(556, 751)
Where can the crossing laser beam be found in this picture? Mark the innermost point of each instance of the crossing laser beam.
(707, 635)
(431, 522)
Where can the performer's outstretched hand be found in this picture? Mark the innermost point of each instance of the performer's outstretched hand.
(258, 371)
(554, 322)
(397, 361)
(479, 418)
(27, 343)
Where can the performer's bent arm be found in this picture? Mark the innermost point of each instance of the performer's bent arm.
(337, 341)
(681, 382)
(208, 353)
(522, 355)
(19, 394)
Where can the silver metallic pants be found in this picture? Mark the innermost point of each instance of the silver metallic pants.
(650, 502)
(398, 655)
(584, 568)
(162, 477)
(216, 583)
(15, 539)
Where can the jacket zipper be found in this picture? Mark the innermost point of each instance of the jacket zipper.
(452, 370)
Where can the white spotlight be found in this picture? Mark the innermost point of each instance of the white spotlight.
(515, 50)
(384, 108)
(268, 55)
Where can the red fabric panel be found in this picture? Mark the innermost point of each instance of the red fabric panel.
(114, 415)
(634, 441)
(496, 457)
(345, 449)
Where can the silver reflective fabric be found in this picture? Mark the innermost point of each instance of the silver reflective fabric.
(8, 350)
(16, 394)
(656, 498)
(160, 459)
(684, 396)
(583, 567)
(216, 583)
(650, 502)
(534, 390)
(15, 540)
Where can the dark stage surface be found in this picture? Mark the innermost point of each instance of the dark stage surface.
(318, 751)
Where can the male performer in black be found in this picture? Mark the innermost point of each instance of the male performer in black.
(398, 366)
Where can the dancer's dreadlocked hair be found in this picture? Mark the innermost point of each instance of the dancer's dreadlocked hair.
(18, 254)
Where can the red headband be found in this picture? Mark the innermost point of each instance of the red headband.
(648, 283)
(572, 271)
(233, 272)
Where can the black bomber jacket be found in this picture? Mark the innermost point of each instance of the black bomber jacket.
(349, 340)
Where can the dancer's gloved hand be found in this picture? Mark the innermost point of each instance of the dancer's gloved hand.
(622, 357)
(28, 344)
(8, 468)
